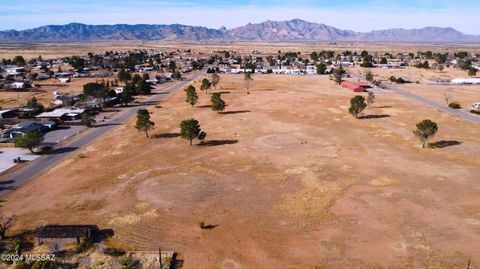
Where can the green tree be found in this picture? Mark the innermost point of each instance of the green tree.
(215, 80)
(370, 98)
(357, 105)
(247, 78)
(126, 96)
(15, 246)
(143, 87)
(172, 66)
(189, 129)
(19, 60)
(472, 72)
(124, 76)
(87, 119)
(143, 121)
(217, 103)
(338, 74)
(369, 76)
(426, 129)
(136, 78)
(92, 89)
(321, 68)
(192, 96)
(206, 84)
(33, 103)
(29, 140)
(127, 262)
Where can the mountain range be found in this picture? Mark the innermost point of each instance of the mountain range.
(270, 31)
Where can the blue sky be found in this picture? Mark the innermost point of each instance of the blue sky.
(349, 14)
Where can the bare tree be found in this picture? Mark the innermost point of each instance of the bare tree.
(5, 224)
(447, 98)
(215, 80)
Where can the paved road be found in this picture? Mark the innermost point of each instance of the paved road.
(11, 181)
(425, 101)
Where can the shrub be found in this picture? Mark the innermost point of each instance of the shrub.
(475, 111)
(84, 245)
(128, 263)
(201, 224)
(454, 105)
(114, 252)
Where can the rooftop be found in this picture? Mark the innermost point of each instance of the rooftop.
(66, 231)
(59, 112)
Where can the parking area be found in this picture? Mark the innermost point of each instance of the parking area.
(7, 155)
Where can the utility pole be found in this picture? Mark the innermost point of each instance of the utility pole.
(159, 257)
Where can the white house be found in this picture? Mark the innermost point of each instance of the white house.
(17, 85)
(15, 70)
(466, 81)
(64, 80)
(153, 81)
(62, 114)
(119, 90)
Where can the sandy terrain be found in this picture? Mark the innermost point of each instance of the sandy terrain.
(56, 50)
(290, 178)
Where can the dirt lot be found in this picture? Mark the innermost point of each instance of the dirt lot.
(288, 179)
(57, 50)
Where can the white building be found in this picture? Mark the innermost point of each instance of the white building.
(466, 81)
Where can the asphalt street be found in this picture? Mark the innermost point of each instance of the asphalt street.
(11, 181)
(425, 101)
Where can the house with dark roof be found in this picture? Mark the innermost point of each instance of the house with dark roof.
(60, 236)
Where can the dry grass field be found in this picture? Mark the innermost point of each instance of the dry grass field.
(287, 178)
(57, 50)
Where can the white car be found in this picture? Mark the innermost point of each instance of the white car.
(476, 106)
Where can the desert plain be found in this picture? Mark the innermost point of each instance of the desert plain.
(287, 178)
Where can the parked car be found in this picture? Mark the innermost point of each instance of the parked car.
(476, 106)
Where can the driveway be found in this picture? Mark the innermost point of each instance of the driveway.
(7, 155)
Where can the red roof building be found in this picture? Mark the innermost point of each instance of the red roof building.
(355, 86)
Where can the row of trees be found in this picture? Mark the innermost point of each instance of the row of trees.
(426, 129)
(189, 129)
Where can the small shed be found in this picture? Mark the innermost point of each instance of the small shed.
(58, 236)
(355, 86)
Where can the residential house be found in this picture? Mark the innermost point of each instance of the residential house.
(8, 113)
(62, 114)
(60, 237)
(355, 86)
(24, 127)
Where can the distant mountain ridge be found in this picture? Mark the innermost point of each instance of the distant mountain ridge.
(270, 31)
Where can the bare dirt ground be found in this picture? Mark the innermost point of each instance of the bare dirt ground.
(288, 179)
(57, 50)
